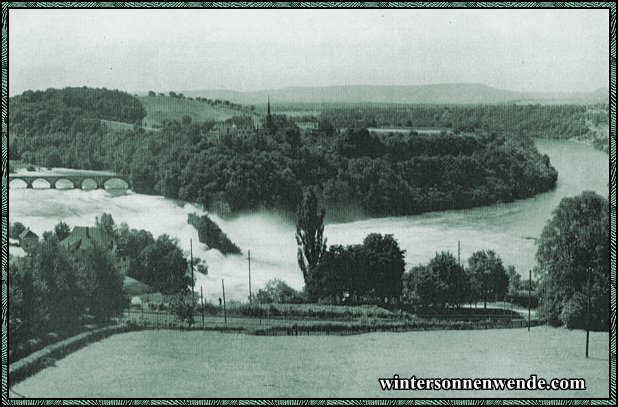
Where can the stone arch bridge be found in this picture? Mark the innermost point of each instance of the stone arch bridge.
(76, 179)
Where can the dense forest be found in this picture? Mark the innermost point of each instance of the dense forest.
(390, 175)
(544, 121)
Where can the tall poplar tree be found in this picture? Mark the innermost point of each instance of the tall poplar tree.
(310, 236)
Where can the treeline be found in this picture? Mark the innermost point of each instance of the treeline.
(574, 264)
(57, 289)
(64, 127)
(393, 175)
(402, 175)
(544, 121)
(159, 262)
(374, 272)
(573, 289)
(53, 289)
(57, 110)
(211, 102)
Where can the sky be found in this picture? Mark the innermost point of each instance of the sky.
(244, 50)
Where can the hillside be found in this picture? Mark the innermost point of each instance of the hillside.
(383, 176)
(161, 108)
(459, 93)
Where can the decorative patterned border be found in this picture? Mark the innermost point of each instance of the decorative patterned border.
(610, 6)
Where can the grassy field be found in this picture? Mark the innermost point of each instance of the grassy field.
(161, 108)
(164, 364)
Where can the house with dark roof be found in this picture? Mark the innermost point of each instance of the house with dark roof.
(27, 236)
(83, 237)
(236, 126)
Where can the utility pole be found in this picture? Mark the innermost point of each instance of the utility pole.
(459, 252)
(224, 310)
(529, 296)
(192, 278)
(202, 298)
(588, 313)
(249, 258)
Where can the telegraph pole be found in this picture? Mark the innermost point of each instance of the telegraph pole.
(192, 278)
(224, 310)
(529, 296)
(588, 313)
(459, 252)
(249, 258)
(202, 298)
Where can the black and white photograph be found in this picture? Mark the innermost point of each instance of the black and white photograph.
(282, 203)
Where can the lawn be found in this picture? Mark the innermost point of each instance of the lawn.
(159, 109)
(166, 364)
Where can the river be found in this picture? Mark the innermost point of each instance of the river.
(508, 229)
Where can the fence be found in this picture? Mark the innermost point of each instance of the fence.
(232, 317)
(263, 323)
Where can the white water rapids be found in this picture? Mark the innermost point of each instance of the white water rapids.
(509, 229)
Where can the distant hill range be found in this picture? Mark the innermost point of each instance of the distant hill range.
(460, 93)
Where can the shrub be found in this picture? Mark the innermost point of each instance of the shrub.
(184, 305)
(277, 291)
(574, 312)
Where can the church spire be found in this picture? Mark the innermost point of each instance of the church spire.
(269, 117)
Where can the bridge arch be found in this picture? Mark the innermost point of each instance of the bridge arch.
(88, 183)
(115, 183)
(37, 182)
(18, 183)
(62, 181)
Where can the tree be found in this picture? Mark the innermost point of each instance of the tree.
(15, 229)
(184, 305)
(359, 143)
(62, 231)
(163, 266)
(573, 258)
(515, 282)
(25, 294)
(292, 137)
(340, 276)
(443, 281)
(101, 283)
(385, 267)
(131, 242)
(278, 292)
(310, 235)
(488, 278)
(363, 273)
(53, 159)
(106, 224)
(53, 268)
